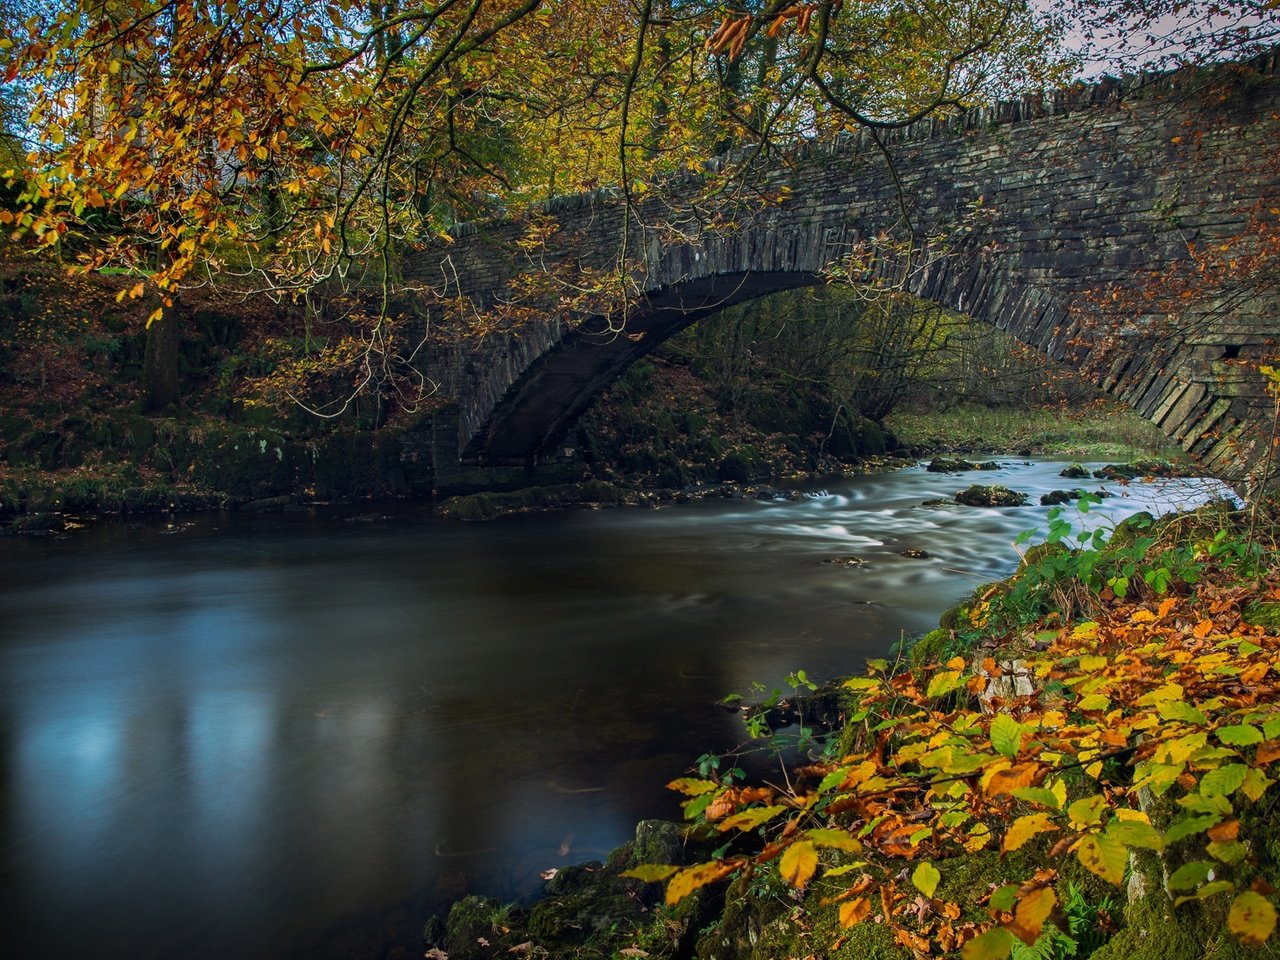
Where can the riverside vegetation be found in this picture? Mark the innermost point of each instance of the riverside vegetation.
(1078, 762)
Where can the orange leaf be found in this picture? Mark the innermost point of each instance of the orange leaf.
(1009, 779)
(855, 911)
(1030, 914)
(1268, 752)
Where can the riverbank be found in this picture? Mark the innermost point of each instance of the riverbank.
(1076, 763)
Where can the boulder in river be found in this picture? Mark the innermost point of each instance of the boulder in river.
(993, 496)
(958, 465)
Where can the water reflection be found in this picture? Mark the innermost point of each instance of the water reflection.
(222, 743)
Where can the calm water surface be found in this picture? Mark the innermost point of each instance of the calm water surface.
(294, 735)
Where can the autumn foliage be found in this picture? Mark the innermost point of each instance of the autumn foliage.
(1148, 723)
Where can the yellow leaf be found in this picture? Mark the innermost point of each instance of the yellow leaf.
(1024, 829)
(1087, 811)
(978, 838)
(1103, 855)
(925, 878)
(798, 863)
(690, 879)
(1030, 914)
(854, 911)
(1252, 918)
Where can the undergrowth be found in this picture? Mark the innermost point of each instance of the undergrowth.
(1117, 699)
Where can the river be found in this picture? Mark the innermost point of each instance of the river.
(242, 736)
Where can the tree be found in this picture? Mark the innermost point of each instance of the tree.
(279, 147)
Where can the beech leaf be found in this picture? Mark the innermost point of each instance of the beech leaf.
(1104, 855)
(1006, 735)
(1252, 918)
(854, 911)
(1030, 914)
(798, 863)
(995, 944)
(925, 878)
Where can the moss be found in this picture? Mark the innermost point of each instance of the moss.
(934, 647)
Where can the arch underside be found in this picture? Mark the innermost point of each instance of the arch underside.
(1162, 380)
(531, 420)
(538, 410)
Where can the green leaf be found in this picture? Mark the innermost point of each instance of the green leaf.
(943, 682)
(1252, 918)
(1178, 710)
(833, 779)
(1006, 735)
(1241, 735)
(1004, 898)
(1189, 827)
(835, 839)
(995, 944)
(925, 878)
(1224, 781)
(1135, 833)
(694, 808)
(1037, 795)
(1228, 851)
(1191, 875)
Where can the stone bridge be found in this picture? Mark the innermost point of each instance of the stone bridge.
(1050, 218)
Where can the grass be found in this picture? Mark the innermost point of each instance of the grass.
(1103, 430)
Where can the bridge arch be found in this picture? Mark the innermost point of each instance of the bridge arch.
(1022, 216)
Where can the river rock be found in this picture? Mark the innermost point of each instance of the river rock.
(958, 465)
(914, 554)
(994, 496)
(1075, 472)
(1055, 497)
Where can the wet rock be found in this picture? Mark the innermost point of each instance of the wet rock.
(37, 524)
(1055, 497)
(914, 554)
(846, 561)
(938, 502)
(958, 465)
(993, 496)
(1075, 472)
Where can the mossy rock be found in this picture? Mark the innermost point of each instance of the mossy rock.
(949, 465)
(1075, 472)
(993, 496)
(741, 466)
(1130, 529)
(1263, 613)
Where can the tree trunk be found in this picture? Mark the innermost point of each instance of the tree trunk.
(160, 362)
